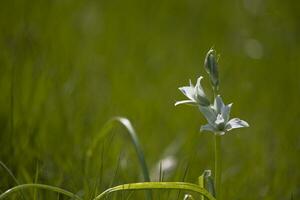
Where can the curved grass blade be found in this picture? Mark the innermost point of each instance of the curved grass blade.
(40, 186)
(133, 137)
(201, 183)
(157, 185)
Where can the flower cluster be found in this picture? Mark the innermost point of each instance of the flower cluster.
(217, 114)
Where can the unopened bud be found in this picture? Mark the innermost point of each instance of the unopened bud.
(211, 67)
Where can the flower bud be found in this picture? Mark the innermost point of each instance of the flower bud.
(188, 197)
(211, 67)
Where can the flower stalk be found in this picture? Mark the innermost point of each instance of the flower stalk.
(218, 166)
(218, 157)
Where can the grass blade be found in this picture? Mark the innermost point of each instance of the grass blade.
(12, 176)
(133, 137)
(135, 142)
(9, 172)
(40, 186)
(157, 185)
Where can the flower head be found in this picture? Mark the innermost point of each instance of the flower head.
(218, 116)
(195, 94)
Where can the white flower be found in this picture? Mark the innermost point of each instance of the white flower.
(195, 94)
(218, 115)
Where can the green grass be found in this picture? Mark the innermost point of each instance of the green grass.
(146, 185)
(66, 67)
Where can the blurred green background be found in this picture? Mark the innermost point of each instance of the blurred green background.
(66, 67)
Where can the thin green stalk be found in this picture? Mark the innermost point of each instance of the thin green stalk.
(215, 91)
(218, 166)
(41, 186)
(9, 172)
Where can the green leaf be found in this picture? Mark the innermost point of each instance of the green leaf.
(157, 185)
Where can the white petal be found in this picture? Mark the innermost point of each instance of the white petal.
(199, 88)
(189, 92)
(219, 119)
(236, 123)
(218, 104)
(208, 113)
(220, 133)
(189, 102)
(199, 81)
(200, 94)
(207, 127)
(226, 112)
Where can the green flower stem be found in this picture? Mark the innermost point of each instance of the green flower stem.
(218, 166)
